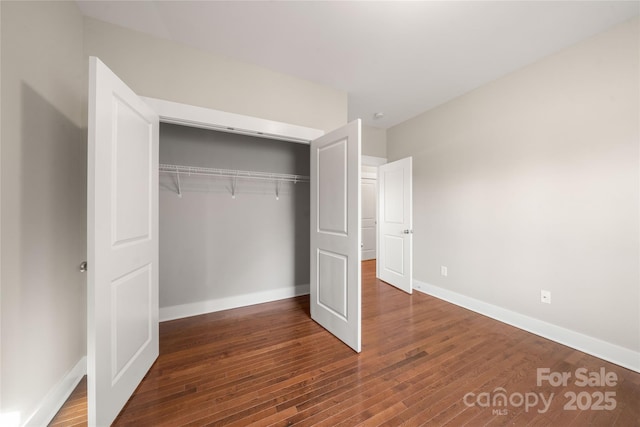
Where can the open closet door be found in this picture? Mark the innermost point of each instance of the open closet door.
(122, 246)
(335, 233)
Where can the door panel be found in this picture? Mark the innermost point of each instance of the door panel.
(131, 197)
(396, 224)
(394, 254)
(122, 244)
(332, 188)
(332, 282)
(335, 233)
(393, 184)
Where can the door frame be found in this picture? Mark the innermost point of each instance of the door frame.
(206, 118)
(199, 117)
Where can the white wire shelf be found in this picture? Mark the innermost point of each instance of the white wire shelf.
(234, 174)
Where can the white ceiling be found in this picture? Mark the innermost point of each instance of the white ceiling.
(399, 58)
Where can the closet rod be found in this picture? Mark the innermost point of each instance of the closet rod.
(232, 173)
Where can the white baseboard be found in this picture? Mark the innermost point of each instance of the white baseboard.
(604, 350)
(213, 305)
(56, 397)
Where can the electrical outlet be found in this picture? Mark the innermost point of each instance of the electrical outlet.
(443, 271)
(545, 296)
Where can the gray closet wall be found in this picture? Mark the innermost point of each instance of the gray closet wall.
(213, 246)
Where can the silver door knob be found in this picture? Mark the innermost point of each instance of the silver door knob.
(407, 231)
(83, 267)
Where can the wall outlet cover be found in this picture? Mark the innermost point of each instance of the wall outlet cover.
(545, 296)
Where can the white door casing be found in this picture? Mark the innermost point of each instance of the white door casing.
(122, 244)
(395, 257)
(369, 217)
(335, 233)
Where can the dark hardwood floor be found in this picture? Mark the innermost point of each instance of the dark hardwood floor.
(423, 362)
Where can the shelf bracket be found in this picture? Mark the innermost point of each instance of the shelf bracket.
(178, 182)
(234, 181)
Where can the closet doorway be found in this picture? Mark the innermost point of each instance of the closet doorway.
(234, 220)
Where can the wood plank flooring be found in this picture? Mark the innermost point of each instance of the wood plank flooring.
(423, 362)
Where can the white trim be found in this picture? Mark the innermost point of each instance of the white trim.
(219, 304)
(199, 117)
(368, 171)
(58, 395)
(604, 350)
(372, 161)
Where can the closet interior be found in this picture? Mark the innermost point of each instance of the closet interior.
(234, 219)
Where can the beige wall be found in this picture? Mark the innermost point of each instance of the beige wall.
(43, 200)
(532, 182)
(162, 69)
(43, 166)
(374, 142)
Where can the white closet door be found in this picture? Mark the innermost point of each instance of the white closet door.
(122, 247)
(335, 233)
(395, 259)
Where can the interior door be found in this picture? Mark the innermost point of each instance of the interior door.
(395, 259)
(369, 213)
(122, 247)
(335, 233)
